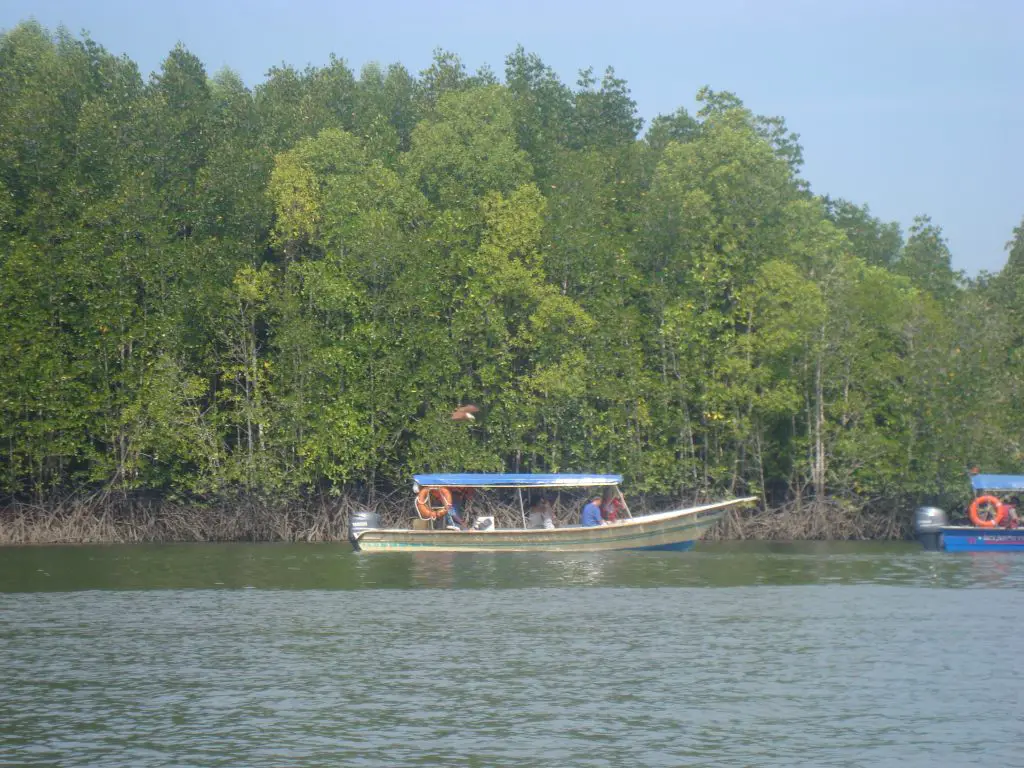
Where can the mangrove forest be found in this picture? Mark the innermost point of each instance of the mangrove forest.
(236, 312)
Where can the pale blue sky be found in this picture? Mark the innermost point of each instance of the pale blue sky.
(910, 106)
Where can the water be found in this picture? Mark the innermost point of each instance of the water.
(267, 655)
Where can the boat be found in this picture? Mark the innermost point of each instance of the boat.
(992, 514)
(674, 530)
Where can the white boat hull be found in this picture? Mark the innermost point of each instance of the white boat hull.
(675, 530)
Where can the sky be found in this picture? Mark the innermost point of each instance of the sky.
(909, 106)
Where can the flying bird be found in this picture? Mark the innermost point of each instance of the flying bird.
(465, 413)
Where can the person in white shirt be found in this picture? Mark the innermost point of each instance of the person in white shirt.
(542, 514)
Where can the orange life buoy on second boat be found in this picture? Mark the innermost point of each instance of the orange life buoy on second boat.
(998, 516)
(432, 503)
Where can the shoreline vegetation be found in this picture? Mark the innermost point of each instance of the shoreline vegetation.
(127, 521)
(220, 292)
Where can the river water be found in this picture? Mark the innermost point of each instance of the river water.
(730, 655)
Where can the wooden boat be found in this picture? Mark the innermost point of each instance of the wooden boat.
(992, 514)
(677, 529)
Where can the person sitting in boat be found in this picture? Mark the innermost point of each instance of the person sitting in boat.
(457, 516)
(1012, 516)
(542, 514)
(591, 515)
(611, 505)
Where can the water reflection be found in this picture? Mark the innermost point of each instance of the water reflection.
(327, 566)
(433, 569)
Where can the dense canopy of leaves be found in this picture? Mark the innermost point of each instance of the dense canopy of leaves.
(207, 290)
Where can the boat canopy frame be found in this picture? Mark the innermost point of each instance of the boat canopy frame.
(512, 480)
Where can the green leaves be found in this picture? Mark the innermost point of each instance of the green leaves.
(467, 148)
(926, 260)
(205, 289)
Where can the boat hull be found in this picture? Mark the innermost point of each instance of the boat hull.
(963, 538)
(677, 530)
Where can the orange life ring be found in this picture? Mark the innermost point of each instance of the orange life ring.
(427, 503)
(983, 522)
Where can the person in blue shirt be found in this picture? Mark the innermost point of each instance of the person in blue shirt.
(592, 513)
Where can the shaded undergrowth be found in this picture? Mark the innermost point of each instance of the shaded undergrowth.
(103, 519)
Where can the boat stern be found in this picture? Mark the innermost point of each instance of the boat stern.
(361, 520)
(928, 525)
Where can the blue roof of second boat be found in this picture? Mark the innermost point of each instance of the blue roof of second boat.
(998, 482)
(529, 480)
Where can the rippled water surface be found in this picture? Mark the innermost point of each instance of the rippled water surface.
(265, 655)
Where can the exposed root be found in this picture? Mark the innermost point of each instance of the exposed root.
(829, 520)
(105, 520)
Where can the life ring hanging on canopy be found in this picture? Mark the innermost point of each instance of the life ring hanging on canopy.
(997, 518)
(432, 503)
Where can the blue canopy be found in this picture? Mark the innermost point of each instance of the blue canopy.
(998, 482)
(485, 480)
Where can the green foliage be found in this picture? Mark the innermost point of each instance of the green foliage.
(603, 117)
(878, 243)
(926, 260)
(467, 148)
(206, 290)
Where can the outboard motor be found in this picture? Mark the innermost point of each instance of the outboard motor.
(360, 521)
(928, 525)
